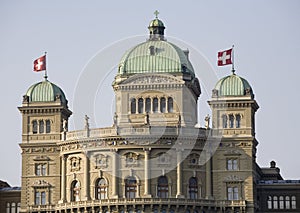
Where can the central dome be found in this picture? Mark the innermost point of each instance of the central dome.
(156, 55)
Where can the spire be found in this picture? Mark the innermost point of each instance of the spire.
(156, 28)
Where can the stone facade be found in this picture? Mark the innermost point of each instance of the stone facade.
(153, 158)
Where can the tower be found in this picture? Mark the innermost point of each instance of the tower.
(45, 116)
(234, 162)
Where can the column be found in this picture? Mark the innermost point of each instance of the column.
(208, 177)
(114, 173)
(179, 174)
(147, 173)
(63, 179)
(136, 106)
(86, 177)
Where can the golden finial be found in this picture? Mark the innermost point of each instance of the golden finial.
(156, 13)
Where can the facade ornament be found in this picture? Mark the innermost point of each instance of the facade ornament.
(147, 120)
(25, 98)
(65, 125)
(207, 121)
(86, 121)
(115, 120)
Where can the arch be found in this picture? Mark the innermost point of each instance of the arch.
(75, 190)
(41, 126)
(193, 188)
(133, 106)
(130, 187)
(163, 105)
(231, 121)
(287, 202)
(170, 104)
(34, 126)
(7, 207)
(155, 105)
(148, 105)
(101, 189)
(294, 202)
(238, 121)
(281, 202)
(140, 105)
(269, 202)
(275, 202)
(162, 187)
(48, 126)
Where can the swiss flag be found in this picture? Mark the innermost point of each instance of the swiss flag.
(39, 64)
(224, 57)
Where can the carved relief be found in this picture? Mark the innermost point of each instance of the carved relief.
(75, 164)
(233, 178)
(100, 161)
(131, 159)
(152, 79)
(163, 159)
(41, 183)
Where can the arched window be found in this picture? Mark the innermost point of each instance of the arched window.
(293, 202)
(101, 189)
(287, 202)
(163, 105)
(41, 126)
(48, 126)
(148, 104)
(224, 121)
(281, 202)
(275, 202)
(269, 202)
(133, 106)
(130, 187)
(231, 121)
(19, 207)
(162, 187)
(140, 105)
(7, 207)
(193, 188)
(155, 105)
(170, 104)
(75, 191)
(238, 121)
(13, 207)
(34, 127)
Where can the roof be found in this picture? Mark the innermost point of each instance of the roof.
(156, 23)
(45, 91)
(155, 56)
(233, 85)
(11, 189)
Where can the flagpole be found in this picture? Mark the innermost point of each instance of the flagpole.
(232, 60)
(45, 67)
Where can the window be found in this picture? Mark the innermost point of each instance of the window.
(101, 189)
(133, 106)
(162, 187)
(43, 198)
(41, 126)
(19, 207)
(193, 188)
(287, 202)
(13, 207)
(148, 104)
(275, 202)
(140, 105)
(238, 121)
(130, 187)
(281, 202)
(232, 193)
(163, 105)
(224, 121)
(7, 207)
(34, 127)
(170, 104)
(293, 202)
(269, 202)
(40, 198)
(231, 121)
(48, 126)
(232, 164)
(75, 191)
(40, 169)
(155, 105)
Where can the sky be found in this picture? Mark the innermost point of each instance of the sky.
(81, 34)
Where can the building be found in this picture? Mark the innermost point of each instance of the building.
(153, 158)
(10, 198)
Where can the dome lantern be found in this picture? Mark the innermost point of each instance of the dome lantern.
(156, 28)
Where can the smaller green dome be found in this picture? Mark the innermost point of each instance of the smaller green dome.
(232, 85)
(45, 91)
(156, 23)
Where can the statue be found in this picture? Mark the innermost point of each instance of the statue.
(87, 125)
(207, 119)
(65, 125)
(115, 119)
(147, 121)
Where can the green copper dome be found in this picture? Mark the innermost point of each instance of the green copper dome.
(155, 56)
(233, 85)
(45, 91)
(156, 23)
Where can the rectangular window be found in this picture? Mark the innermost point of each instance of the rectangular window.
(37, 198)
(232, 164)
(38, 169)
(44, 169)
(232, 193)
(43, 198)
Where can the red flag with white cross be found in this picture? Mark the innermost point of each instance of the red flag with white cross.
(39, 64)
(225, 57)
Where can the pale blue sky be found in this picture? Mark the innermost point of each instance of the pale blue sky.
(265, 33)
